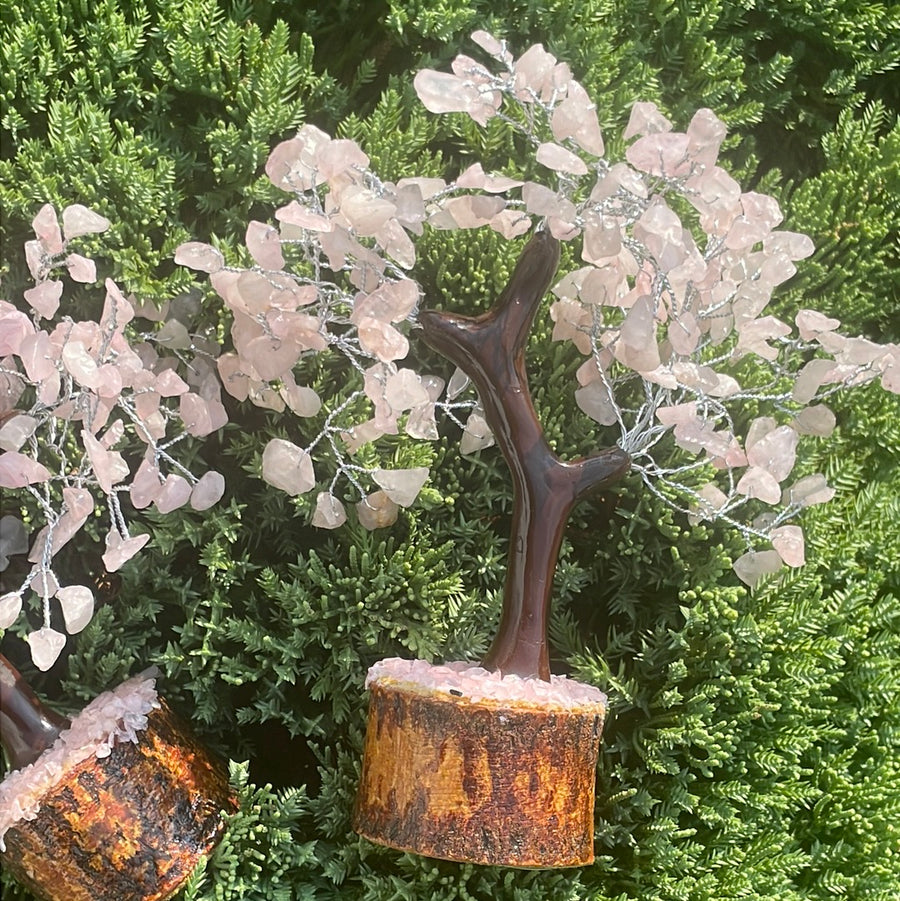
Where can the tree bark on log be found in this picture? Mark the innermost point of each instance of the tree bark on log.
(507, 783)
(128, 827)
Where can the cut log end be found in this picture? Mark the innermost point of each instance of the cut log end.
(491, 781)
(128, 827)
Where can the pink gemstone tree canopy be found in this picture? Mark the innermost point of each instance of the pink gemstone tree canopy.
(71, 395)
(665, 305)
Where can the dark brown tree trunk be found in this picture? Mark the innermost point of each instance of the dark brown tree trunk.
(27, 726)
(490, 349)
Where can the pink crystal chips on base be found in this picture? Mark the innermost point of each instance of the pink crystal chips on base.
(477, 685)
(111, 718)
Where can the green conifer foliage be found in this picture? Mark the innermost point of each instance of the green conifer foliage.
(850, 211)
(753, 744)
(159, 115)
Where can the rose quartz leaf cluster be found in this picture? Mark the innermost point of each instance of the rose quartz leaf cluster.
(10, 608)
(46, 646)
(174, 493)
(18, 470)
(78, 504)
(329, 512)
(442, 92)
(753, 565)
(199, 256)
(402, 486)
(208, 490)
(79, 220)
(44, 298)
(77, 603)
(377, 511)
(120, 550)
(101, 380)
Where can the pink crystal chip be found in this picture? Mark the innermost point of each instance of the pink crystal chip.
(79, 220)
(288, 467)
(329, 512)
(46, 646)
(377, 511)
(77, 602)
(120, 550)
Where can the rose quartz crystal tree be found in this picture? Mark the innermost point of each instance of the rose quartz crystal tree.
(676, 267)
(69, 392)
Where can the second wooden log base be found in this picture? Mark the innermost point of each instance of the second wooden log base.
(128, 827)
(502, 783)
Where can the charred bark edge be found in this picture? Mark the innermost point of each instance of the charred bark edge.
(128, 827)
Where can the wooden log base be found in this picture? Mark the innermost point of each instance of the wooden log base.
(496, 782)
(128, 827)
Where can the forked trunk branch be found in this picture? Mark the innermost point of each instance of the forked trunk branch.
(490, 349)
